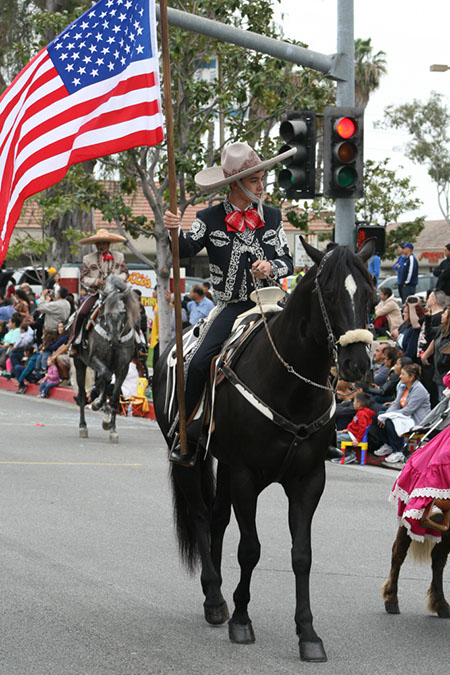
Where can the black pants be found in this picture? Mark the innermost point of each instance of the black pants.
(211, 342)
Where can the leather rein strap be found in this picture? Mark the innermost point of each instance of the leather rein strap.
(300, 431)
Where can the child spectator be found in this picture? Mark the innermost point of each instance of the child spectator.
(51, 379)
(357, 428)
(27, 371)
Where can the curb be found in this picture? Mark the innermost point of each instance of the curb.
(58, 393)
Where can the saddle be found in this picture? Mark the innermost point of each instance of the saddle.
(244, 329)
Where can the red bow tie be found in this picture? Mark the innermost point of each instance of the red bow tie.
(107, 256)
(237, 220)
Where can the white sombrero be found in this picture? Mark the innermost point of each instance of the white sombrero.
(103, 235)
(238, 160)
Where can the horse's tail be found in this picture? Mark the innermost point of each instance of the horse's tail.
(421, 552)
(193, 492)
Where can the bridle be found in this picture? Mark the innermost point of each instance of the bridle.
(348, 337)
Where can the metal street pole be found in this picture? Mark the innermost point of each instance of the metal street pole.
(345, 96)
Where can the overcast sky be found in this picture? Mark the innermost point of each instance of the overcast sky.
(414, 34)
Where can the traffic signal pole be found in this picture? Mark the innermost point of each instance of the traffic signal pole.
(345, 96)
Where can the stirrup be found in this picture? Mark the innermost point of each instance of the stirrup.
(426, 521)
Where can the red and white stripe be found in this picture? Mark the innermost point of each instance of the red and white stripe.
(44, 129)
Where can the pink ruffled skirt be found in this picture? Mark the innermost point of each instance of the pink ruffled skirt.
(425, 476)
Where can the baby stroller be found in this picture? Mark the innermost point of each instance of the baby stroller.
(436, 420)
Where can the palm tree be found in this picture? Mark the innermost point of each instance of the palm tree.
(369, 68)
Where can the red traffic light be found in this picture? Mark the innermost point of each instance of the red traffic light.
(345, 127)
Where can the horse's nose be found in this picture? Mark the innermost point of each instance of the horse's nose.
(354, 362)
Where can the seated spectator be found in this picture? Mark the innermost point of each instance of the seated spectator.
(25, 339)
(380, 370)
(408, 333)
(356, 429)
(438, 348)
(31, 297)
(411, 405)
(6, 310)
(49, 338)
(10, 338)
(55, 310)
(389, 310)
(199, 307)
(50, 380)
(27, 371)
(62, 360)
(82, 296)
(388, 390)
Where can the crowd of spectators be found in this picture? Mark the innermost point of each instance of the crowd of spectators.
(409, 362)
(33, 339)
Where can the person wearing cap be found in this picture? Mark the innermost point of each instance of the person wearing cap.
(246, 244)
(95, 269)
(443, 273)
(409, 273)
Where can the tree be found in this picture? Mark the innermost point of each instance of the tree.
(428, 124)
(369, 68)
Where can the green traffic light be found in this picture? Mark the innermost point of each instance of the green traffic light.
(346, 177)
(292, 178)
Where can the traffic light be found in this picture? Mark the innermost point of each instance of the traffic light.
(343, 154)
(299, 176)
(365, 232)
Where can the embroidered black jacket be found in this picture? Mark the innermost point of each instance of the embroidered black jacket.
(231, 254)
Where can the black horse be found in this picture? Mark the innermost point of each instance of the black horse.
(276, 425)
(109, 349)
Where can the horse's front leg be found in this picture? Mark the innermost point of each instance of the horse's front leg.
(436, 598)
(80, 369)
(244, 496)
(111, 410)
(390, 587)
(304, 495)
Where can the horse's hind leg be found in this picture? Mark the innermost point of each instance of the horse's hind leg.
(81, 382)
(436, 599)
(390, 588)
(244, 497)
(112, 409)
(304, 495)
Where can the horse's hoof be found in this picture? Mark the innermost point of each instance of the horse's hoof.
(105, 425)
(312, 651)
(83, 433)
(392, 607)
(444, 613)
(113, 437)
(217, 615)
(96, 405)
(241, 634)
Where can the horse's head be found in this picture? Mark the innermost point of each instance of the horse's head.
(344, 289)
(120, 309)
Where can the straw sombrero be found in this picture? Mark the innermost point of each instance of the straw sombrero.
(103, 235)
(238, 160)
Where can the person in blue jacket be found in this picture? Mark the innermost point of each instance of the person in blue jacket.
(374, 266)
(409, 273)
(397, 266)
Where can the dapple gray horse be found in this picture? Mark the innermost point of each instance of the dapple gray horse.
(109, 349)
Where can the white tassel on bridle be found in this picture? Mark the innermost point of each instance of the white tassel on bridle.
(358, 335)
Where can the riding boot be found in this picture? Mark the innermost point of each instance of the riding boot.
(193, 430)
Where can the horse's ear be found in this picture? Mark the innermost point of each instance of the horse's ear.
(315, 255)
(368, 249)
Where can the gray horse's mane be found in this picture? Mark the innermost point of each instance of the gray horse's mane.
(117, 294)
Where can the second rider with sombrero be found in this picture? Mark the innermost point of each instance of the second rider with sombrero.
(95, 270)
(240, 234)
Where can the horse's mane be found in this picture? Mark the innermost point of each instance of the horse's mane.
(116, 292)
(341, 260)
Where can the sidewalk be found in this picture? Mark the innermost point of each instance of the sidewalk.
(58, 393)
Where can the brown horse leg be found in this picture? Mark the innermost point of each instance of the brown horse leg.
(390, 588)
(436, 599)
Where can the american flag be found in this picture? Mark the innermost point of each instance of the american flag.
(93, 91)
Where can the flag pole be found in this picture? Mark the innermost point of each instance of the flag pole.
(173, 207)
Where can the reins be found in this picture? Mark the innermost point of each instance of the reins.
(331, 339)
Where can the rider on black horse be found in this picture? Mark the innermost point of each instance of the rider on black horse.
(95, 270)
(240, 234)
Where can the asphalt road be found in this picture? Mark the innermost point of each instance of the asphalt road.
(90, 582)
